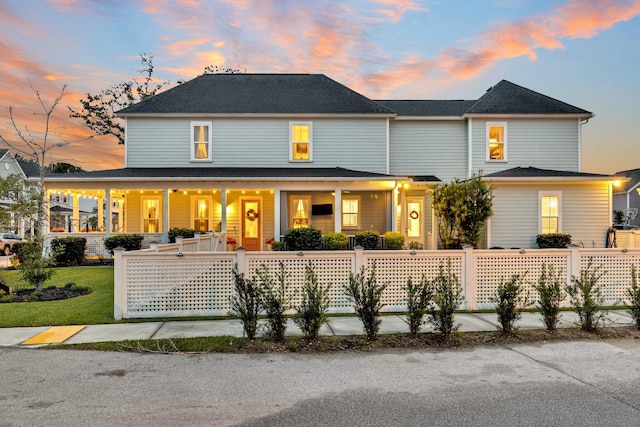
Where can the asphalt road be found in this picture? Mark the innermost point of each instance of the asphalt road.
(579, 383)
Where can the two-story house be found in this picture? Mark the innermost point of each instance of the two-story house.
(253, 155)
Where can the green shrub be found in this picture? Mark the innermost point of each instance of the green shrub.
(587, 298)
(70, 284)
(554, 240)
(393, 240)
(633, 293)
(366, 295)
(447, 297)
(79, 289)
(68, 250)
(510, 302)
(311, 314)
(246, 302)
(275, 301)
(415, 246)
(130, 242)
(8, 298)
(336, 241)
(21, 249)
(187, 233)
(419, 298)
(551, 292)
(303, 239)
(277, 246)
(368, 239)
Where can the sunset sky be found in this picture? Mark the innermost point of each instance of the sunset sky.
(583, 52)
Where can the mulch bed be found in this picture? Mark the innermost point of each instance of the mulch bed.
(48, 294)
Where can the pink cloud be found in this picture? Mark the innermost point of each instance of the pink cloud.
(396, 9)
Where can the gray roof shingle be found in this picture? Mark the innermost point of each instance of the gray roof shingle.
(258, 94)
(509, 98)
(531, 172)
(427, 108)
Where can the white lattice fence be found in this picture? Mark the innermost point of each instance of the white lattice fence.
(615, 268)
(492, 268)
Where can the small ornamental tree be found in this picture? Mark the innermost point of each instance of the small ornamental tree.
(311, 314)
(551, 290)
(587, 298)
(419, 298)
(510, 300)
(366, 294)
(462, 208)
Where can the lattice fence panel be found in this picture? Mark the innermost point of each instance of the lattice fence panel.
(494, 269)
(395, 272)
(329, 270)
(184, 286)
(616, 274)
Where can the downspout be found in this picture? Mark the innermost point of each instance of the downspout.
(388, 148)
(469, 147)
(580, 123)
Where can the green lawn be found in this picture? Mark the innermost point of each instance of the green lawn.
(94, 308)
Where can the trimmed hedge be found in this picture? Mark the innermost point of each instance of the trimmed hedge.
(554, 240)
(187, 233)
(393, 240)
(303, 239)
(336, 241)
(130, 242)
(369, 239)
(68, 250)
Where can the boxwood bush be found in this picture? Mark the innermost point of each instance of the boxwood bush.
(68, 250)
(369, 239)
(336, 241)
(130, 242)
(393, 240)
(554, 240)
(303, 239)
(187, 233)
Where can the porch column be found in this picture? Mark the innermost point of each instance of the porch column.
(223, 214)
(107, 228)
(276, 215)
(121, 219)
(165, 215)
(394, 209)
(100, 213)
(403, 213)
(44, 222)
(75, 216)
(337, 204)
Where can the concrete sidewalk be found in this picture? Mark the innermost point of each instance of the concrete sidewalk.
(350, 325)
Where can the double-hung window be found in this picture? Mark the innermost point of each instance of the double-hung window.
(496, 141)
(300, 211)
(550, 203)
(300, 141)
(350, 212)
(201, 142)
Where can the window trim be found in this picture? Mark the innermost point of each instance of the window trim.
(192, 143)
(504, 143)
(291, 125)
(542, 194)
(358, 214)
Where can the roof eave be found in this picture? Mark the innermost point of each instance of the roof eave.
(432, 118)
(534, 179)
(530, 116)
(260, 115)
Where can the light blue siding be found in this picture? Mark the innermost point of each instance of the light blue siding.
(542, 143)
(428, 148)
(358, 144)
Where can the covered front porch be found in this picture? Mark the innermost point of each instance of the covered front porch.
(249, 212)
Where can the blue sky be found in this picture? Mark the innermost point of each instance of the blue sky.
(585, 53)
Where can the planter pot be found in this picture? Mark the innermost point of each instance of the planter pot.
(231, 247)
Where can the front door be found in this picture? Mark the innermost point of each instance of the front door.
(415, 220)
(251, 225)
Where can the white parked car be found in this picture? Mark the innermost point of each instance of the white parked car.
(6, 242)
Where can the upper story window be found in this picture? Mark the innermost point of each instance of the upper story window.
(496, 141)
(350, 211)
(300, 141)
(201, 142)
(550, 212)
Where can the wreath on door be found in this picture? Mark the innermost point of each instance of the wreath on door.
(414, 215)
(252, 215)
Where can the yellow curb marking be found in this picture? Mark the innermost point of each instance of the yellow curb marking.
(55, 334)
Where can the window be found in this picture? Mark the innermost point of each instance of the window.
(201, 142)
(300, 139)
(200, 213)
(350, 212)
(300, 211)
(550, 210)
(151, 210)
(496, 141)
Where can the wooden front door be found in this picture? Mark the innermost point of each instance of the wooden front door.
(251, 225)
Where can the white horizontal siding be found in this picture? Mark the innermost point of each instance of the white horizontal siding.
(428, 148)
(585, 213)
(542, 143)
(350, 143)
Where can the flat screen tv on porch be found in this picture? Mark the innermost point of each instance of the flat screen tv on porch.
(326, 209)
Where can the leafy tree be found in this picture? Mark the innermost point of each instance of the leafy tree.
(221, 69)
(35, 146)
(62, 167)
(462, 208)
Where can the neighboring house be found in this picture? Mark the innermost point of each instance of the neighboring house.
(626, 197)
(253, 155)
